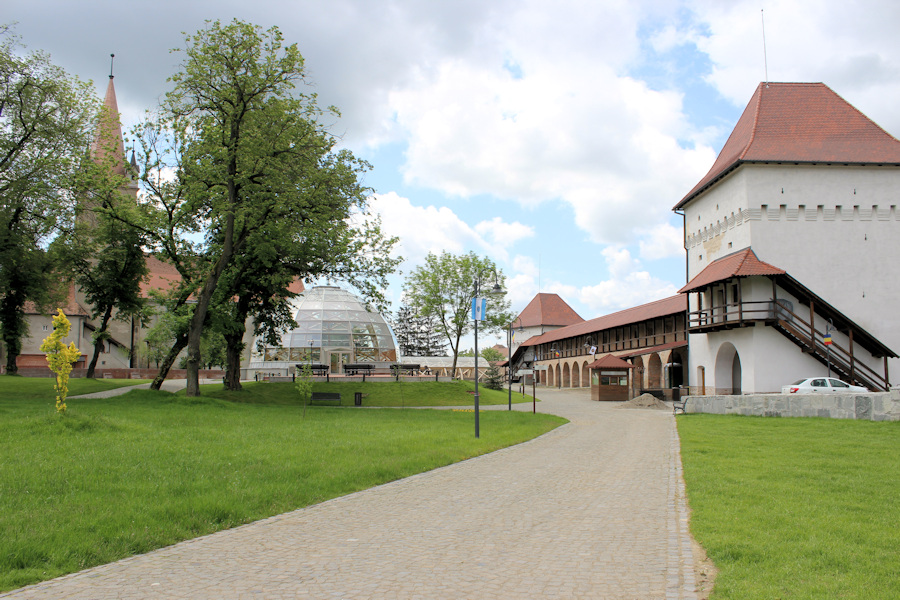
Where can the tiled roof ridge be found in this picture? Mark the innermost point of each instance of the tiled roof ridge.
(756, 110)
(802, 123)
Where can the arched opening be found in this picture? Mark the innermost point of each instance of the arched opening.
(637, 377)
(728, 365)
(576, 374)
(585, 376)
(557, 374)
(676, 368)
(566, 376)
(654, 372)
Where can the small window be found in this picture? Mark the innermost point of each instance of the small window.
(818, 383)
(45, 328)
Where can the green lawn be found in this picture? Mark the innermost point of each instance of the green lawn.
(120, 476)
(393, 393)
(34, 388)
(795, 508)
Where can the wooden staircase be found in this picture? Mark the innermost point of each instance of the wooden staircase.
(842, 360)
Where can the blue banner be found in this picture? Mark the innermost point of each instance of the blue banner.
(479, 306)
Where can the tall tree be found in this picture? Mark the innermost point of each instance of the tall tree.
(239, 154)
(444, 287)
(46, 119)
(406, 329)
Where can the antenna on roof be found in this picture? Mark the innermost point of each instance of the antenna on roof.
(111, 58)
(762, 14)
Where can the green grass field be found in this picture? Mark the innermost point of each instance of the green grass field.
(393, 393)
(795, 508)
(124, 475)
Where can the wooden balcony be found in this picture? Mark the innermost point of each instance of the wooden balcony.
(737, 314)
(781, 315)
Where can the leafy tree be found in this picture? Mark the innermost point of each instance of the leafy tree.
(60, 357)
(492, 355)
(46, 119)
(304, 385)
(108, 264)
(443, 288)
(238, 154)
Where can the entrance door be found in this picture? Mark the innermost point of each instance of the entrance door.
(338, 360)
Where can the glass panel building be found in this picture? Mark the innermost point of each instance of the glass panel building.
(334, 328)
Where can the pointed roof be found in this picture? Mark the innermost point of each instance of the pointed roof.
(610, 362)
(743, 263)
(108, 144)
(548, 309)
(800, 123)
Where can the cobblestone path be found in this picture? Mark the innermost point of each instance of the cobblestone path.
(594, 509)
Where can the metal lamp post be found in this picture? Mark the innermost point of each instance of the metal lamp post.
(479, 306)
(509, 365)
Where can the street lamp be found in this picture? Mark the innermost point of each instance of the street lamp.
(509, 365)
(555, 348)
(479, 305)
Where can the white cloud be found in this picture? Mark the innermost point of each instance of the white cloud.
(570, 128)
(627, 286)
(854, 49)
(422, 229)
(662, 241)
(504, 234)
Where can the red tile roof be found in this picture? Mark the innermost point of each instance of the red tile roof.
(71, 308)
(610, 362)
(800, 123)
(548, 309)
(652, 349)
(161, 276)
(651, 310)
(742, 263)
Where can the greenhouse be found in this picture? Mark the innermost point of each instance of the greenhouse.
(334, 328)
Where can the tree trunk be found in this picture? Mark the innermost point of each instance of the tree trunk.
(98, 344)
(234, 343)
(12, 325)
(180, 343)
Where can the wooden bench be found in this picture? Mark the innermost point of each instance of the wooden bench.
(679, 405)
(325, 397)
(357, 368)
(317, 369)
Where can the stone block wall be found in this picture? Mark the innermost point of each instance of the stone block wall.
(870, 407)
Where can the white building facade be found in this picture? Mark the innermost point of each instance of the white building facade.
(791, 236)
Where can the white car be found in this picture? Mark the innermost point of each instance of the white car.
(822, 385)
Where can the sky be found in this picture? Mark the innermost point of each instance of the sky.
(553, 136)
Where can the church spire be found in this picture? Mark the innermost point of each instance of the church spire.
(108, 146)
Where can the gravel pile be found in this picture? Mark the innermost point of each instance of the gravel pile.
(646, 401)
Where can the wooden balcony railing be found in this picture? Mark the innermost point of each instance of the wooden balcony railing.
(780, 314)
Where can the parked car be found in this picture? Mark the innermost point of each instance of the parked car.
(822, 385)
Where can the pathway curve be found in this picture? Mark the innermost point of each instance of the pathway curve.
(594, 509)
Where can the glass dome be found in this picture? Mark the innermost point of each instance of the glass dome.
(333, 328)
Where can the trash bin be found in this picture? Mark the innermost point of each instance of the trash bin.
(357, 398)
